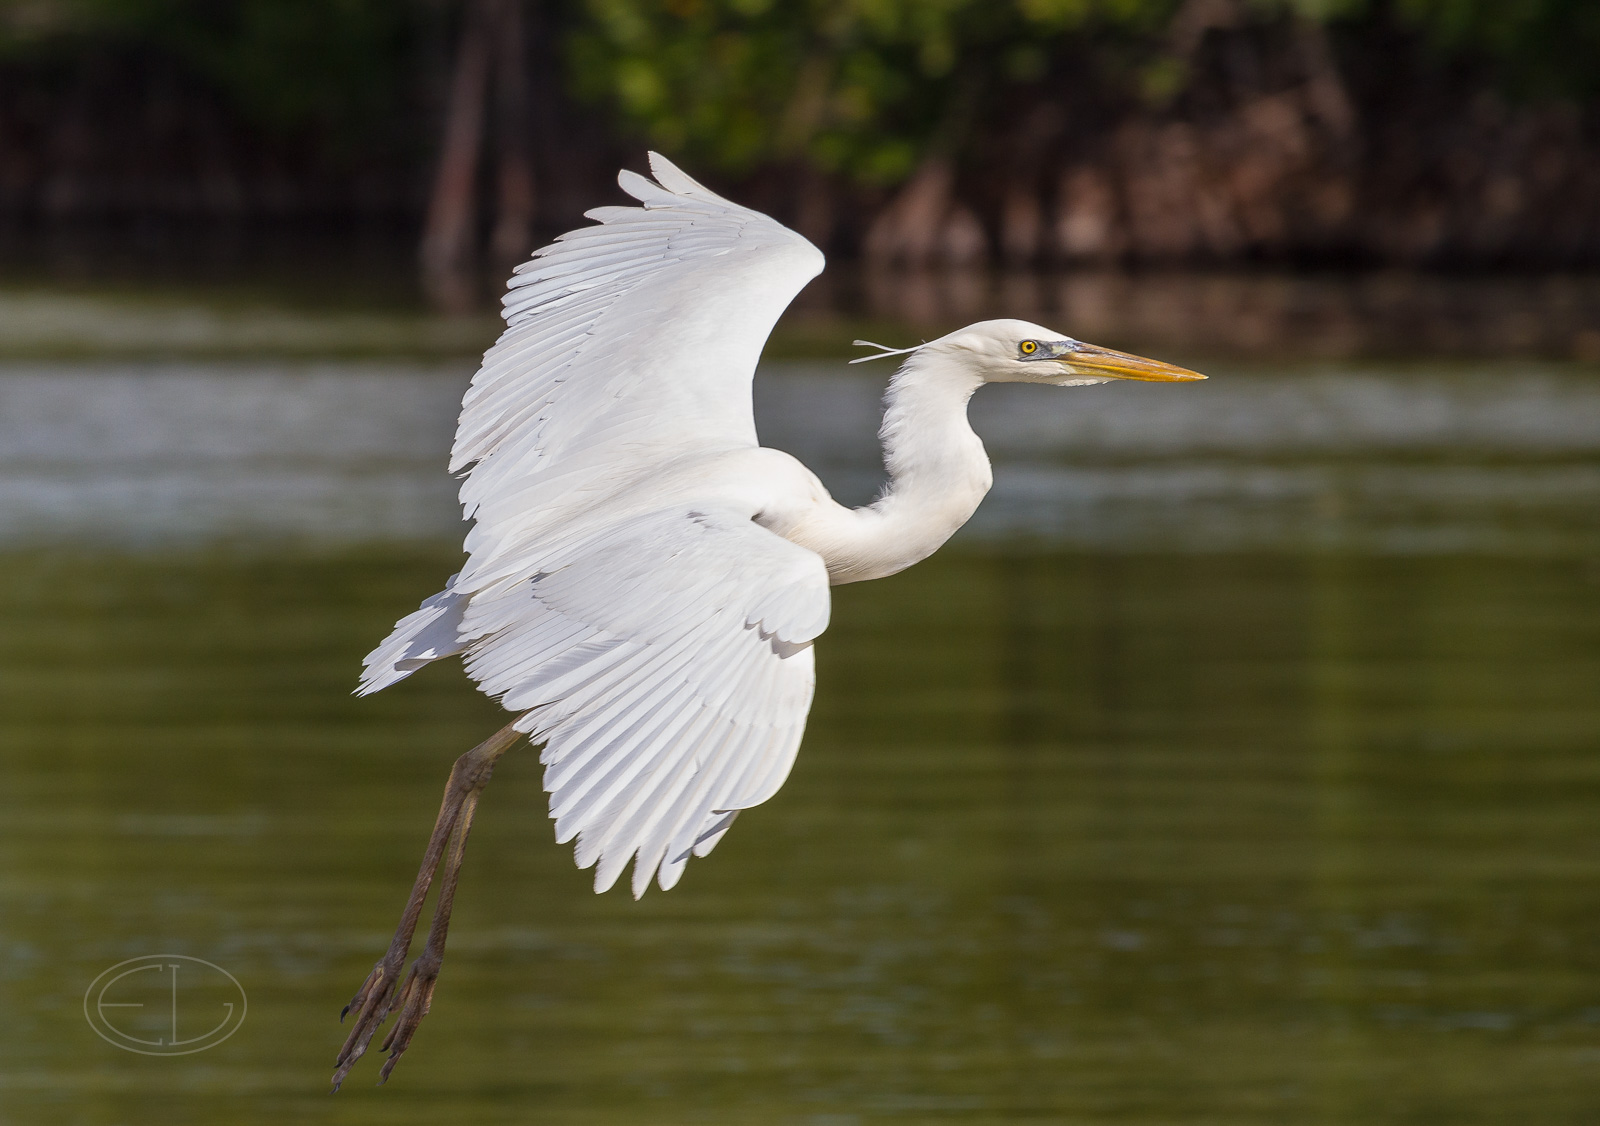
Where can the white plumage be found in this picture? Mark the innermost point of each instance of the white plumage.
(643, 581)
(657, 641)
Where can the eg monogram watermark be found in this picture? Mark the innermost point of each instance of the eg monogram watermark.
(165, 1005)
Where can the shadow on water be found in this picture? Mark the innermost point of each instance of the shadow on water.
(1240, 313)
(357, 306)
(1237, 765)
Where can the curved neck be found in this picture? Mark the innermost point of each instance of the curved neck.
(938, 472)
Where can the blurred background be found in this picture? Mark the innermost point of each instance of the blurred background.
(1237, 763)
(252, 135)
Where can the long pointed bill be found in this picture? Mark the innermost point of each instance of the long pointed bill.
(1086, 359)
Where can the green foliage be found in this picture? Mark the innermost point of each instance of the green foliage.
(864, 86)
(1540, 47)
(337, 64)
(861, 88)
(855, 86)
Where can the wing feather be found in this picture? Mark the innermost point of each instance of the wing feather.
(660, 650)
(620, 762)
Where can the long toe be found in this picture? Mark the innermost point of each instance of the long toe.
(371, 1005)
(416, 999)
(359, 1001)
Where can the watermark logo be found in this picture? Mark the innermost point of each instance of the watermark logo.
(165, 1005)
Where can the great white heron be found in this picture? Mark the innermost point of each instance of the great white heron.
(644, 580)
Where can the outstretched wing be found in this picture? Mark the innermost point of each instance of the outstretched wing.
(627, 343)
(666, 663)
(662, 654)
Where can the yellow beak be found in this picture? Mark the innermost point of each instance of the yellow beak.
(1090, 360)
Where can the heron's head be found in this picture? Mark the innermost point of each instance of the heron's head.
(1008, 351)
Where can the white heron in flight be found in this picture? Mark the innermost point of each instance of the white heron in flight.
(644, 580)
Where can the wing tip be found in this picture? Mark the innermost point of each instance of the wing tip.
(639, 187)
(670, 183)
(675, 179)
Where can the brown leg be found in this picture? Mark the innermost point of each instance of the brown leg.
(372, 1002)
(416, 995)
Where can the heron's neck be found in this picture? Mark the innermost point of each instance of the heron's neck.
(938, 471)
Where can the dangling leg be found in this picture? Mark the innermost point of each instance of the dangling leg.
(416, 995)
(372, 1002)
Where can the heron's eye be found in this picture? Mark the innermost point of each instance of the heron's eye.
(1029, 347)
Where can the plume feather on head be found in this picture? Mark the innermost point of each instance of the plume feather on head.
(882, 350)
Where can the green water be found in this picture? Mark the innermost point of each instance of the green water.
(1101, 837)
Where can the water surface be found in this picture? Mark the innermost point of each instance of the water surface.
(1237, 765)
(1435, 457)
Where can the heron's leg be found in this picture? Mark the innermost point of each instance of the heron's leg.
(416, 995)
(374, 1000)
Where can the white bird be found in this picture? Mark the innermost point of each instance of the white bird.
(644, 580)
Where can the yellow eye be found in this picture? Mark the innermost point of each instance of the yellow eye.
(1029, 347)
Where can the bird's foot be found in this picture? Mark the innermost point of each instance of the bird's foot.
(371, 1004)
(414, 1001)
(377, 997)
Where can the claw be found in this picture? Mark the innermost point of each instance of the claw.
(372, 1006)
